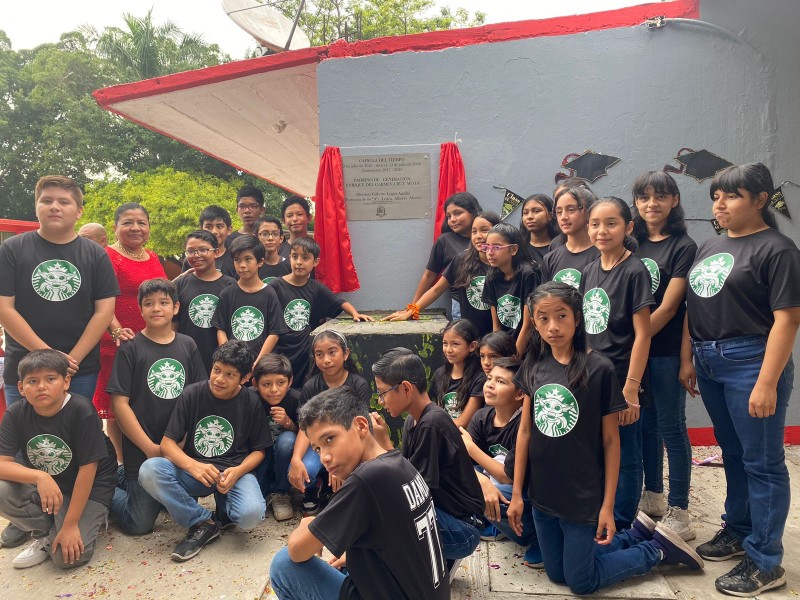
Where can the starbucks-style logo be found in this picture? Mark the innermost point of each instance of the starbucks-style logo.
(267, 280)
(498, 450)
(297, 314)
(596, 310)
(247, 323)
(449, 404)
(49, 453)
(201, 310)
(708, 276)
(509, 310)
(213, 436)
(555, 410)
(569, 276)
(475, 291)
(166, 378)
(56, 280)
(655, 273)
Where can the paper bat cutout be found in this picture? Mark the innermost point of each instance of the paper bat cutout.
(589, 165)
(698, 164)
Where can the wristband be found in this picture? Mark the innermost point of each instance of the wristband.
(632, 405)
(414, 311)
(115, 333)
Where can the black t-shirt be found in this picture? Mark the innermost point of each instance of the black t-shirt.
(566, 456)
(224, 265)
(665, 259)
(58, 445)
(383, 517)
(567, 267)
(284, 249)
(508, 297)
(538, 252)
(472, 305)
(152, 376)
(316, 385)
(609, 300)
(300, 311)
(54, 287)
(290, 403)
(269, 272)
(736, 283)
(199, 301)
(446, 247)
(497, 442)
(448, 400)
(247, 316)
(435, 448)
(219, 432)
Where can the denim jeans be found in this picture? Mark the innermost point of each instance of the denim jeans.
(573, 557)
(458, 538)
(528, 529)
(757, 498)
(276, 479)
(176, 490)
(313, 579)
(455, 309)
(629, 484)
(664, 424)
(82, 385)
(133, 509)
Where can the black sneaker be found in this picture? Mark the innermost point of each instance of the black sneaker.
(199, 535)
(674, 551)
(13, 536)
(220, 514)
(721, 547)
(310, 504)
(746, 580)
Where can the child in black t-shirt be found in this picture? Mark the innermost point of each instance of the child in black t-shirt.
(494, 345)
(61, 492)
(226, 436)
(383, 516)
(149, 374)
(569, 436)
(270, 234)
(216, 221)
(272, 379)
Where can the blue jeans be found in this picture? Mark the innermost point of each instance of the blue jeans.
(312, 579)
(629, 484)
(176, 490)
(664, 424)
(458, 538)
(455, 309)
(279, 456)
(132, 508)
(573, 557)
(757, 498)
(528, 529)
(82, 385)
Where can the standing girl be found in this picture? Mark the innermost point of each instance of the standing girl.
(537, 225)
(667, 252)
(569, 436)
(510, 279)
(616, 307)
(270, 234)
(743, 312)
(497, 344)
(458, 383)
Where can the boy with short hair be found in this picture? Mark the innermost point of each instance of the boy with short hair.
(226, 436)
(250, 207)
(217, 221)
(270, 234)
(272, 379)
(199, 292)
(149, 374)
(61, 492)
(303, 303)
(383, 516)
(296, 215)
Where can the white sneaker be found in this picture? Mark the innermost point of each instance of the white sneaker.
(680, 522)
(456, 563)
(282, 507)
(37, 552)
(653, 504)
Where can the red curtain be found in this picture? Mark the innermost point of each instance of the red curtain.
(452, 180)
(336, 268)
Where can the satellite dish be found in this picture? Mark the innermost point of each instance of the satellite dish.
(266, 24)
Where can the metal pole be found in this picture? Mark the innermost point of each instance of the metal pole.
(294, 25)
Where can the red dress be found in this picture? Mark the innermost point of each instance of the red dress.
(130, 273)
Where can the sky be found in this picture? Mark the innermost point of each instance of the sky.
(30, 23)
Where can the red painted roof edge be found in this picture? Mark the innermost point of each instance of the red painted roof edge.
(420, 42)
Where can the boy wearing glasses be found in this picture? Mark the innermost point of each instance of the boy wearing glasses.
(250, 207)
(270, 234)
(217, 221)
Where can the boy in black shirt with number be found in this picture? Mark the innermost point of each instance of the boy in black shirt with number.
(383, 516)
(149, 374)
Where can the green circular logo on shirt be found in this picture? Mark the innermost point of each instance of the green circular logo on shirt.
(201, 310)
(247, 323)
(709, 275)
(213, 436)
(569, 276)
(555, 410)
(267, 280)
(56, 280)
(49, 453)
(166, 378)
(297, 314)
(449, 404)
(509, 310)
(596, 310)
(475, 291)
(655, 273)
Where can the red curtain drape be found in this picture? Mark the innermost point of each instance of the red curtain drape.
(452, 180)
(336, 268)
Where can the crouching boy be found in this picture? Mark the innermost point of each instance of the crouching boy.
(61, 492)
(226, 437)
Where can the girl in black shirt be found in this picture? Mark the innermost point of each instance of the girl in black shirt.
(497, 344)
(537, 225)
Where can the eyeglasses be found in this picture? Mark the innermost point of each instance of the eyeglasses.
(384, 392)
(199, 252)
(252, 206)
(570, 210)
(269, 234)
(493, 247)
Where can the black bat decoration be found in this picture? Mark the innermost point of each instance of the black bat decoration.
(591, 165)
(698, 164)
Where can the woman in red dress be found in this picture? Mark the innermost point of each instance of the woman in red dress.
(133, 264)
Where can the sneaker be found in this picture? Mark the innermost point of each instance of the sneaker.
(311, 500)
(490, 533)
(721, 547)
(220, 514)
(454, 567)
(199, 535)
(746, 580)
(653, 504)
(37, 552)
(643, 527)
(680, 522)
(13, 536)
(674, 551)
(281, 506)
